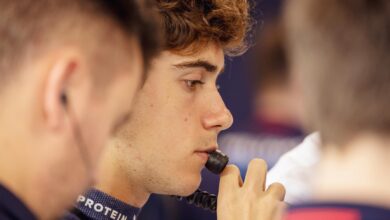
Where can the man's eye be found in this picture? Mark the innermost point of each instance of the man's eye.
(192, 84)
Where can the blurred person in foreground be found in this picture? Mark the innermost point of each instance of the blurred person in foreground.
(177, 117)
(339, 52)
(66, 66)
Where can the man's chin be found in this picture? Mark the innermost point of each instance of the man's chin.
(188, 189)
(180, 188)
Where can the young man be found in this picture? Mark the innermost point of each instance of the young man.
(340, 53)
(177, 117)
(69, 70)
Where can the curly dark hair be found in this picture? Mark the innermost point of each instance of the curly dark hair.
(191, 24)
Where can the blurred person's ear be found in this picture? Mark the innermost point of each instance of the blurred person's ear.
(59, 74)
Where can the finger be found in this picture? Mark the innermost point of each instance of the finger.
(230, 179)
(277, 190)
(256, 175)
(280, 210)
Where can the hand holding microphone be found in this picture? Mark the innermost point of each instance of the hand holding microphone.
(249, 200)
(239, 200)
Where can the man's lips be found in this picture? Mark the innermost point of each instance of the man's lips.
(204, 153)
(207, 150)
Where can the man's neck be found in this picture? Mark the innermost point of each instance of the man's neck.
(359, 173)
(115, 182)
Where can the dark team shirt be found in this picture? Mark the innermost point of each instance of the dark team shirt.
(12, 208)
(98, 205)
(337, 211)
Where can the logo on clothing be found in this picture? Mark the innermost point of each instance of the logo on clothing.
(100, 208)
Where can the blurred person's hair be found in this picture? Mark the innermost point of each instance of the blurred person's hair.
(340, 49)
(28, 27)
(269, 57)
(190, 24)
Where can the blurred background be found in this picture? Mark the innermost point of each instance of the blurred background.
(256, 88)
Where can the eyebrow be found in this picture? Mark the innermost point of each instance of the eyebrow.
(209, 67)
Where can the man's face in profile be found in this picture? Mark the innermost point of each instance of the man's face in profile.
(176, 119)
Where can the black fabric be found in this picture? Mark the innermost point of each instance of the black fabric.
(11, 207)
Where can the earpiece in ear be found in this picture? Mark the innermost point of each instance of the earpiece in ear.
(64, 99)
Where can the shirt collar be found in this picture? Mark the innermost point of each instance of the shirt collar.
(99, 205)
(12, 207)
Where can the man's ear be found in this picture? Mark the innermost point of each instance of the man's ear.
(55, 92)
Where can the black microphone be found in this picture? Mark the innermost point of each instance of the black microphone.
(216, 163)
